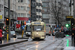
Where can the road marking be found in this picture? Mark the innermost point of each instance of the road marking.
(67, 43)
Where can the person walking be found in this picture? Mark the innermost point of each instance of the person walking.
(0, 35)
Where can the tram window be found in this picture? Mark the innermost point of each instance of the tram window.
(38, 28)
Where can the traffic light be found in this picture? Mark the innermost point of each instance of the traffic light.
(7, 29)
(67, 25)
(72, 22)
(7, 21)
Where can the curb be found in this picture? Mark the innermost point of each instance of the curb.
(2, 45)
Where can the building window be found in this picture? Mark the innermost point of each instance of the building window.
(18, 7)
(45, 9)
(18, 0)
(1, 7)
(45, 15)
(21, 0)
(21, 7)
(45, 4)
(28, 15)
(28, 2)
(18, 15)
(28, 9)
(22, 15)
(46, 20)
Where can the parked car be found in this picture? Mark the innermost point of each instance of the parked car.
(3, 35)
(13, 34)
(58, 34)
(55, 31)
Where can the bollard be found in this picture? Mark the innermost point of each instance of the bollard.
(22, 33)
(7, 36)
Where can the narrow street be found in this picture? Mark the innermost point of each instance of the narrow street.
(50, 43)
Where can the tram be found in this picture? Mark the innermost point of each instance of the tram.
(38, 30)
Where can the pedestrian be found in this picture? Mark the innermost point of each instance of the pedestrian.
(0, 35)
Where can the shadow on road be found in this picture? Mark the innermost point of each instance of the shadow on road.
(37, 39)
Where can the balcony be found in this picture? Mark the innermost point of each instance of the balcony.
(39, 13)
(38, 7)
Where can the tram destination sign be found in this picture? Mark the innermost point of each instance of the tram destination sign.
(37, 23)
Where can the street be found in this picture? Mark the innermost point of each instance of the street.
(50, 43)
(22, 21)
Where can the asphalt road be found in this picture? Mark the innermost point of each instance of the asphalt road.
(50, 43)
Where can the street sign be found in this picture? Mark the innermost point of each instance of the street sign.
(22, 18)
(18, 25)
(0, 16)
(23, 27)
(69, 16)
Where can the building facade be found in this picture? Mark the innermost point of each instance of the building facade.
(23, 8)
(1, 11)
(12, 12)
(48, 12)
(74, 9)
(36, 10)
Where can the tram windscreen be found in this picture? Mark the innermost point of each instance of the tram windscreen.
(38, 28)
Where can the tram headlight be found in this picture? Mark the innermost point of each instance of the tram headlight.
(37, 33)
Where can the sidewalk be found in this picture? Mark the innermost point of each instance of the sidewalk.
(12, 41)
(68, 47)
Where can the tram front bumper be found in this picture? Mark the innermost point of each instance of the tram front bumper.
(38, 36)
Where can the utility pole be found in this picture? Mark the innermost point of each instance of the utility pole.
(70, 7)
(8, 26)
(71, 14)
(55, 12)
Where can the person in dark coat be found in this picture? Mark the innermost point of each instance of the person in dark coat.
(73, 36)
(0, 35)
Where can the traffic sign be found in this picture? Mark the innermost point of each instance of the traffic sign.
(23, 27)
(69, 16)
(18, 25)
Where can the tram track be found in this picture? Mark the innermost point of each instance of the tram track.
(58, 46)
(52, 44)
(28, 43)
(48, 45)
